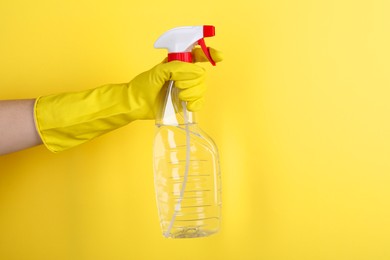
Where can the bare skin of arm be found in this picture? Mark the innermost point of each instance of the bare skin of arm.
(17, 126)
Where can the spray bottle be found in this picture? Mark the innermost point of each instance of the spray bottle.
(185, 159)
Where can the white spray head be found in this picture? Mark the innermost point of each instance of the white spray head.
(180, 41)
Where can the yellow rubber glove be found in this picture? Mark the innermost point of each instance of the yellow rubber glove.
(70, 119)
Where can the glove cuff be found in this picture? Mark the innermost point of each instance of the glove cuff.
(67, 120)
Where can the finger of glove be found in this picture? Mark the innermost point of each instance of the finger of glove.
(178, 71)
(195, 105)
(184, 84)
(199, 56)
(193, 93)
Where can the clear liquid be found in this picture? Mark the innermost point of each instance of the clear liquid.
(197, 212)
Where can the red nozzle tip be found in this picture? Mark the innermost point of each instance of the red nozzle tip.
(208, 31)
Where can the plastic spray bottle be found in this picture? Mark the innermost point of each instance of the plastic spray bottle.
(185, 159)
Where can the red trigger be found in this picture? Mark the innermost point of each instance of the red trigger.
(206, 51)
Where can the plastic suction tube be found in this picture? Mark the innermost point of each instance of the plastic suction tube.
(187, 166)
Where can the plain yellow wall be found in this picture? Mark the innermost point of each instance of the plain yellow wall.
(299, 109)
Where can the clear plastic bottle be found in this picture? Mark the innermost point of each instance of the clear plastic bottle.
(186, 171)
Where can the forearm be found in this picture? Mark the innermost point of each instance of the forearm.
(17, 126)
(66, 120)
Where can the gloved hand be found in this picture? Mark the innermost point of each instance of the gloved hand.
(67, 120)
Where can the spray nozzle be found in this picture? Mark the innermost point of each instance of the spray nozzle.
(181, 40)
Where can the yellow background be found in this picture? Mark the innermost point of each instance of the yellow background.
(299, 109)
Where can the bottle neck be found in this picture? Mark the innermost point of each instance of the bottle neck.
(172, 111)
